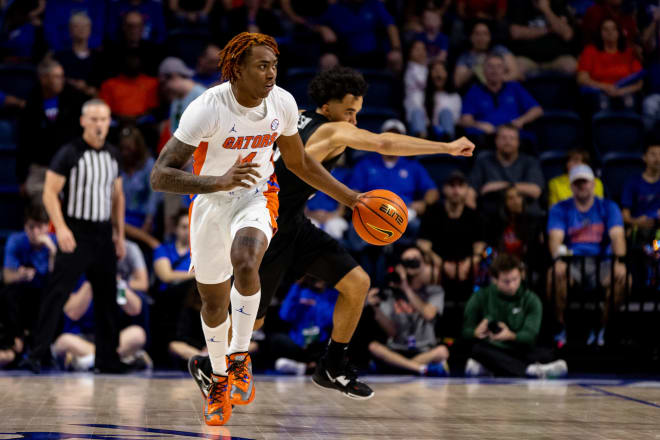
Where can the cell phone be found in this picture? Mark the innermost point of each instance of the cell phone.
(494, 327)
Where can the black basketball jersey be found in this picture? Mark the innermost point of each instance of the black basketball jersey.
(294, 192)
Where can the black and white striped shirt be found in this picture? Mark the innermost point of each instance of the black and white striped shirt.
(90, 175)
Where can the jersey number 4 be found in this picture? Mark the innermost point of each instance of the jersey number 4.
(248, 158)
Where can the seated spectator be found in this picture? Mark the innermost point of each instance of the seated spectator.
(81, 64)
(453, 231)
(254, 16)
(589, 227)
(541, 34)
(191, 13)
(308, 309)
(649, 13)
(189, 338)
(356, 25)
(152, 16)
(141, 200)
(470, 65)
(515, 232)
(21, 32)
(207, 72)
(605, 64)
(437, 43)
(29, 260)
(131, 39)
(651, 102)
(49, 120)
(414, 80)
(609, 9)
(76, 343)
(443, 105)
(57, 16)
(179, 87)
(503, 321)
(559, 187)
(640, 201)
(131, 95)
(496, 102)
(407, 310)
(494, 173)
(325, 211)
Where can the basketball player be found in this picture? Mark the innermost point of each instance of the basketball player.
(301, 248)
(230, 130)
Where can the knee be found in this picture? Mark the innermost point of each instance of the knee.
(6, 357)
(246, 265)
(358, 284)
(213, 302)
(63, 343)
(441, 352)
(136, 335)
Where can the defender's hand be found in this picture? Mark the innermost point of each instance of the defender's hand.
(461, 147)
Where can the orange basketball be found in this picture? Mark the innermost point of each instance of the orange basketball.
(380, 217)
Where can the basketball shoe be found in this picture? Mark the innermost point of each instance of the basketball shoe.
(239, 369)
(200, 369)
(344, 379)
(217, 410)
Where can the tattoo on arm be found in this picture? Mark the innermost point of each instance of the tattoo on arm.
(167, 175)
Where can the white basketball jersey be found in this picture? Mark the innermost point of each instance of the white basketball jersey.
(223, 130)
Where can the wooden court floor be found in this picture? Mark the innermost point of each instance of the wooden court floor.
(168, 406)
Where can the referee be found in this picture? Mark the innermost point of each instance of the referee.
(84, 199)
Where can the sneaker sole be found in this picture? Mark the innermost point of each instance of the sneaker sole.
(204, 396)
(244, 402)
(330, 386)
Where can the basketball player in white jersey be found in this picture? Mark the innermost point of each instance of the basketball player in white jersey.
(230, 130)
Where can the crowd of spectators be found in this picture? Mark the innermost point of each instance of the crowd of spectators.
(455, 67)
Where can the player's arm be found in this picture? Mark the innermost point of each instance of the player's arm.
(335, 135)
(312, 172)
(167, 175)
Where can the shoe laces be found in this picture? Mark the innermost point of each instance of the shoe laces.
(239, 369)
(217, 392)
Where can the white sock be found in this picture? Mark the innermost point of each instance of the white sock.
(243, 314)
(84, 363)
(216, 343)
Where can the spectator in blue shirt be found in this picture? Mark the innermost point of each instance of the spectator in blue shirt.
(326, 212)
(486, 106)
(437, 43)
(356, 25)
(590, 227)
(29, 259)
(207, 72)
(57, 16)
(21, 33)
(177, 84)
(308, 308)
(152, 14)
(172, 258)
(641, 196)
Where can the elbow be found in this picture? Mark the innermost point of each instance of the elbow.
(295, 165)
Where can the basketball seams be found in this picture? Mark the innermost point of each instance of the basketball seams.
(396, 204)
(385, 219)
(366, 228)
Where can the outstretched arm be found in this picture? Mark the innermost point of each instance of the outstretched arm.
(337, 135)
(312, 172)
(167, 175)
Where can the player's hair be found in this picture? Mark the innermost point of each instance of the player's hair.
(505, 263)
(35, 211)
(234, 52)
(336, 83)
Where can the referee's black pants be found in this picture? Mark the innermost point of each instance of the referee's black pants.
(95, 257)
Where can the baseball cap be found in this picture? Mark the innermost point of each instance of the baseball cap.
(581, 172)
(393, 124)
(173, 65)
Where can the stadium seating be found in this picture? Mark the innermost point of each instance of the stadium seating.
(187, 45)
(7, 134)
(617, 132)
(297, 81)
(617, 169)
(554, 91)
(441, 165)
(558, 131)
(383, 89)
(17, 80)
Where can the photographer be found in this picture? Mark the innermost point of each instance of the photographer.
(406, 310)
(503, 321)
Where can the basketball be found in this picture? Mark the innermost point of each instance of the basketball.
(380, 217)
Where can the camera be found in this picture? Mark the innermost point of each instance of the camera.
(411, 263)
(494, 327)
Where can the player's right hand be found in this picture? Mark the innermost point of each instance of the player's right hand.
(238, 176)
(460, 147)
(65, 240)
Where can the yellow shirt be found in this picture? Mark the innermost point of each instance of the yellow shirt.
(559, 188)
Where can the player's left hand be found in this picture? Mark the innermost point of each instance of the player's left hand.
(460, 147)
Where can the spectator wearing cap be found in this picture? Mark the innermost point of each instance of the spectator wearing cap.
(559, 188)
(453, 231)
(486, 106)
(591, 228)
(177, 84)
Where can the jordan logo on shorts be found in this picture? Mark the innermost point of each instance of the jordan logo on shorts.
(241, 311)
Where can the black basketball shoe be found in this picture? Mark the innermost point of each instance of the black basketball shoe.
(200, 370)
(344, 379)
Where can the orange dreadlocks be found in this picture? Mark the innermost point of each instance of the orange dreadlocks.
(234, 52)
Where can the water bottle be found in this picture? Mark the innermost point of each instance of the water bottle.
(121, 292)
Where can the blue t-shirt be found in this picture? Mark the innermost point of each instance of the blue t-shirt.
(358, 24)
(641, 197)
(141, 200)
(52, 108)
(178, 262)
(509, 103)
(585, 231)
(19, 42)
(309, 313)
(408, 179)
(152, 15)
(324, 202)
(433, 46)
(57, 16)
(86, 324)
(19, 252)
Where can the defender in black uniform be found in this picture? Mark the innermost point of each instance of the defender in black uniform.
(301, 248)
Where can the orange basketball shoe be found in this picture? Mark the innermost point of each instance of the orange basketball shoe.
(217, 410)
(241, 382)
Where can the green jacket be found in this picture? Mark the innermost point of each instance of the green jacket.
(521, 312)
